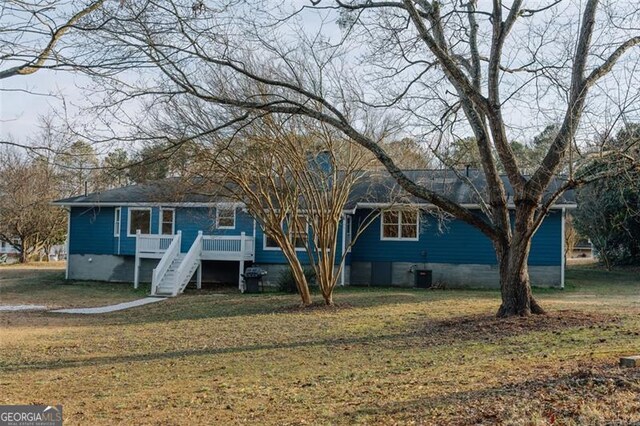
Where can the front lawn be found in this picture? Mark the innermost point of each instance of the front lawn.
(44, 284)
(382, 356)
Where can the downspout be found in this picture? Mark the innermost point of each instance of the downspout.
(344, 242)
(120, 232)
(562, 244)
(66, 243)
(255, 249)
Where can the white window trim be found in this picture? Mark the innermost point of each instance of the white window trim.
(348, 219)
(267, 248)
(400, 238)
(173, 222)
(218, 218)
(131, 209)
(117, 221)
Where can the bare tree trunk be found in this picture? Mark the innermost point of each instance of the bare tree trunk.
(515, 285)
(517, 299)
(24, 257)
(328, 298)
(301, 282)
(326, 281)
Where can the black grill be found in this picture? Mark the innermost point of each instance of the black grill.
(253, 279)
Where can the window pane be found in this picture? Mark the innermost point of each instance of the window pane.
(409, 231)
(225, 221)
(299, 232)
(409, 218)
(226, 217)
(299, 241)
(167, 228)
(390, 217)
(390, 231)
(116, 222)
(140, 219)
(271, 243)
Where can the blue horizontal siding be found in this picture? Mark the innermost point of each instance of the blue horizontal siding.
(91, 231)
(190, 220)
(546, 246)
(452, 242)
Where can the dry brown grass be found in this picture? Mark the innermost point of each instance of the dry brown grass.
(383, 357)
(42, 283)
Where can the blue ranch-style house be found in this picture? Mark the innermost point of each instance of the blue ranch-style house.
(157, 233)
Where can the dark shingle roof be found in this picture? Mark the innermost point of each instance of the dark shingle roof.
(375, 188)
(384, 189)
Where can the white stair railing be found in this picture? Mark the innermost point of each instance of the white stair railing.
(165, 262)
(192, 256)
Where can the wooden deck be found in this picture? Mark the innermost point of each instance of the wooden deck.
(175, 267)
(214, 247)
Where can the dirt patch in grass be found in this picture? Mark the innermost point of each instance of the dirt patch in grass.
(490, 328)
(316, 307)
(594, 395)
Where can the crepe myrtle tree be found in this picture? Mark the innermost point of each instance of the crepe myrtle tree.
(433, 70)
(294, 175)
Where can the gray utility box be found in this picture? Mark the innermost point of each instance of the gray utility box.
(424, 278)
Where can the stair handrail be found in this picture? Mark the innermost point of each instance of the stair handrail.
(165, 262)
(192, 256)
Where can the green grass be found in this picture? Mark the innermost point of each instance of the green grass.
(383, 356)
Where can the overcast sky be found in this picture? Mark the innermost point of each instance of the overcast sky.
(24, 98)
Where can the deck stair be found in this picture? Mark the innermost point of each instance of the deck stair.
(175, 269)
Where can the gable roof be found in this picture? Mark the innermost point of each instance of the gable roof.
(375, 189)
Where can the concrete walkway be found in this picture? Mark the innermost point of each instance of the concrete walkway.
(110, 308)
(12, 308)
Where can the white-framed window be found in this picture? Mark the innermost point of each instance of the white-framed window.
(399, 225)
(225, 217)
(299, 235)
(117, 216)
(139, 218)
(270, 243)
(167, 221)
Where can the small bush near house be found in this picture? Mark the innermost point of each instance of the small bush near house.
(287, 283)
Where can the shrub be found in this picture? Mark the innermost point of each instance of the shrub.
(287, 283)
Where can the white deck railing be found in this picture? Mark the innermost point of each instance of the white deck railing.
(152, 244)
(214, 247)
(165, 262)
(228, 247)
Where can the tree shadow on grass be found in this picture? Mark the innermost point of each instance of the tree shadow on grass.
(423, 334)
(559, 394)
(199, 306)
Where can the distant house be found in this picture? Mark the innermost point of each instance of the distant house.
(150, 233)
(57, 252)
(8, 249)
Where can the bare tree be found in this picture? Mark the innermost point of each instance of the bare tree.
(31, 34)
(27, 188)
(434, 70)
(295, 177)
